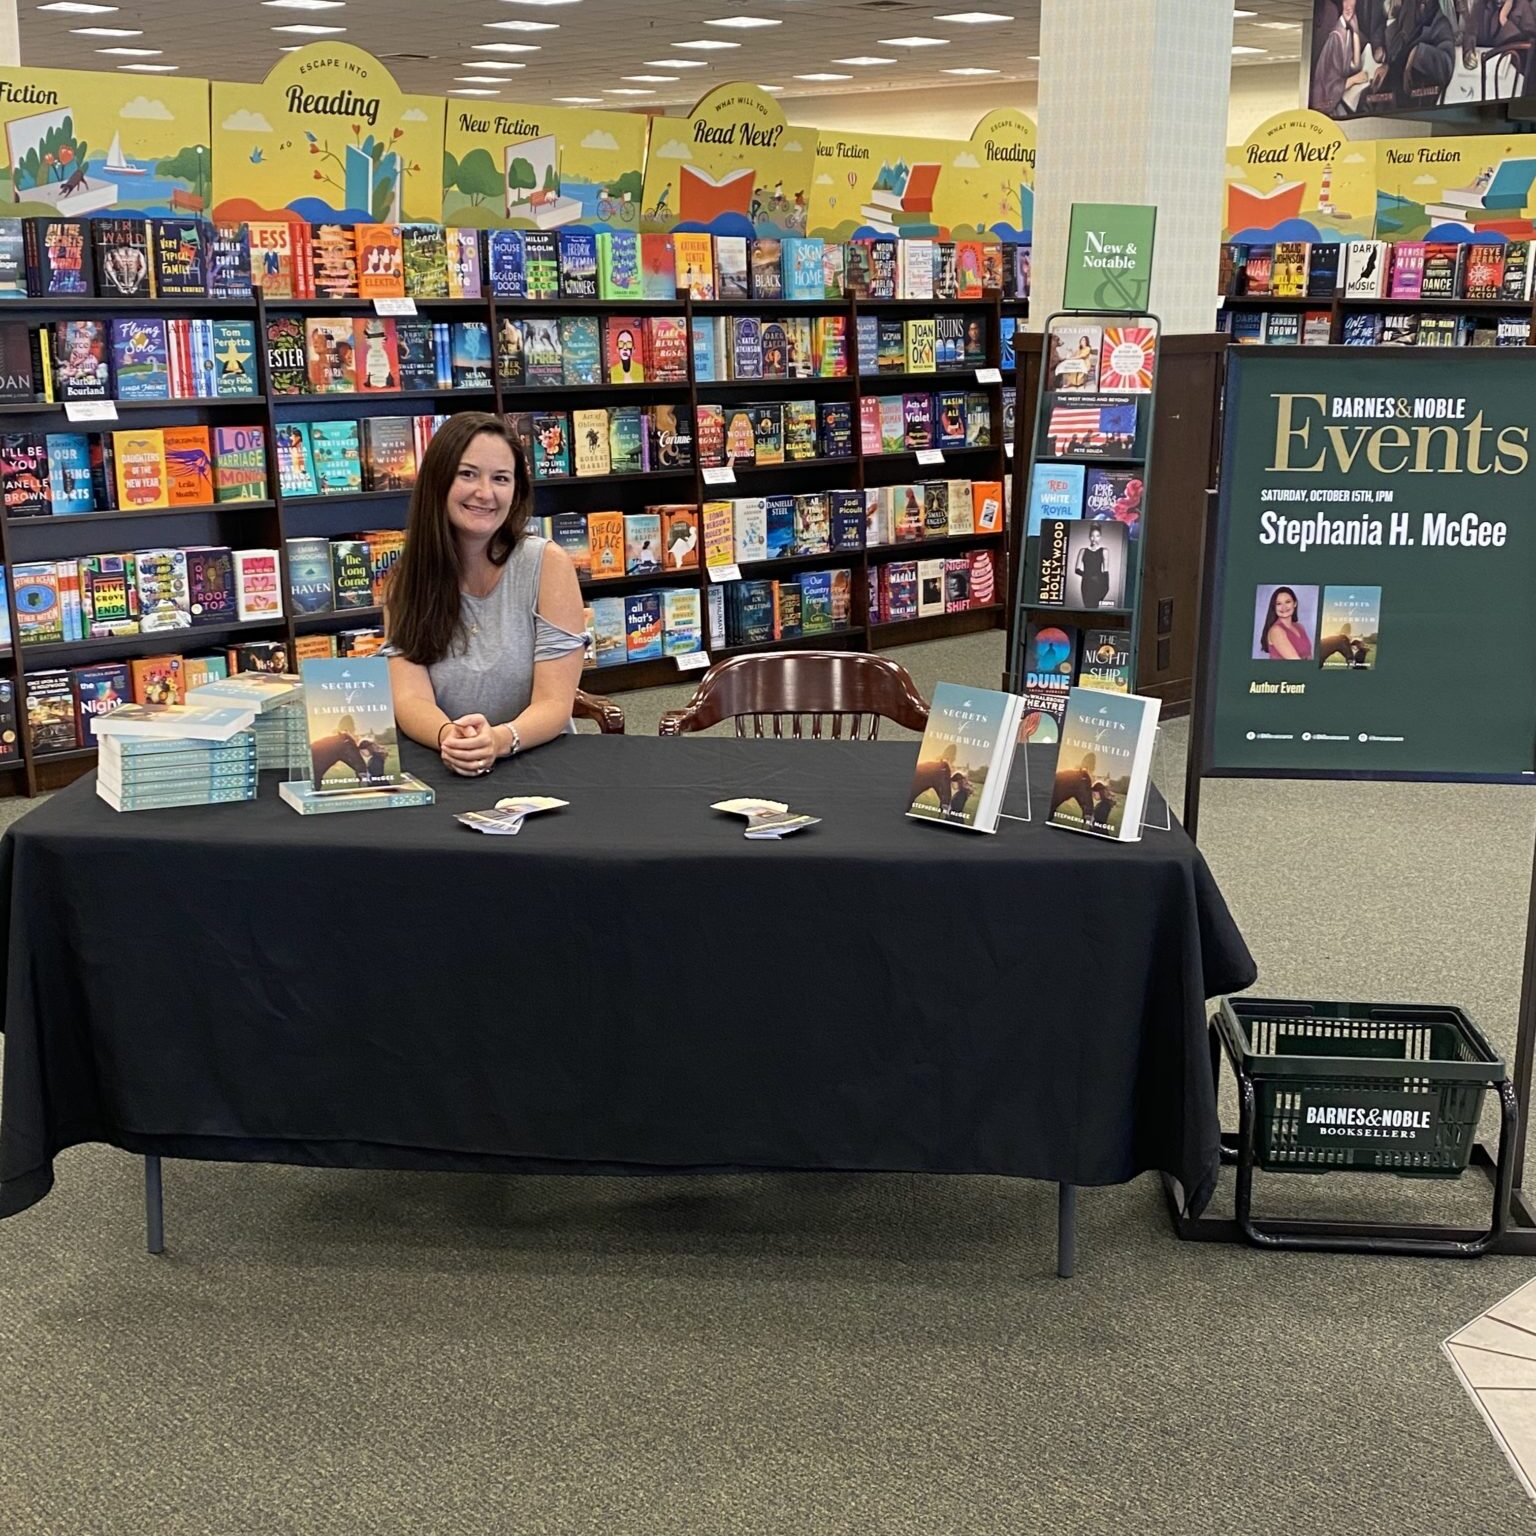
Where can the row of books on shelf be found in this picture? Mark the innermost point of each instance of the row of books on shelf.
(289, 259)
(917, 420)
(942, 343)
(70, 473)
(1060, 657)
(1373, 328)
(1085, 356)
(375, 354)
(758, 612)
(901, 590)
(145, 591)
(346, 457)
(339, 575)
(1483, 271)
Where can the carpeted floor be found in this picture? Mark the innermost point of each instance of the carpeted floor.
(326, 1352)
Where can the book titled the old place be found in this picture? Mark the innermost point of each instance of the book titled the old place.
(965, 757)
(1104, 765)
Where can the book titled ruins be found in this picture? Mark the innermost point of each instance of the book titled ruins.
(1104, 763)
(965, 758)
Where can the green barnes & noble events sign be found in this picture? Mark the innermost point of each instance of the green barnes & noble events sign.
(1109, 257)
(1374, 583)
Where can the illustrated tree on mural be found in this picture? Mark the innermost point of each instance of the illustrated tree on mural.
(190, 164)
(55, 157)
(521, 176)
(385, 169)
(475, 176)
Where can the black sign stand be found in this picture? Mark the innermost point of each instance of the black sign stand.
(1516, 1225)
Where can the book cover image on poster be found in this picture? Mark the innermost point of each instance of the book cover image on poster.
(1096, 565)
(1104, 764)
(1350, 627)
(353, 743)
(1284, 622)
(966, 752)
(1092, 427)
(1074, 355)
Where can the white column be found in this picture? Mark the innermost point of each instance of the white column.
(1133, 109)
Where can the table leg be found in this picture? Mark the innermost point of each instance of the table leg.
(154, 1206)
(1066, 1230)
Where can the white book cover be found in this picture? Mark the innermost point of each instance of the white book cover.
(750, 517)
(1104, 764)
(918, 275)
(962, 507)
(173, 722)
(930, 587)
(1365, 269)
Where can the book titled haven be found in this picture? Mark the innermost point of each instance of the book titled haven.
(1104, 765)
(965, 757)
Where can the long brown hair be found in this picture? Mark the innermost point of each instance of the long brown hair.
(424, 617)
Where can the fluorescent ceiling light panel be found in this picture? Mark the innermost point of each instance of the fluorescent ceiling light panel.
(151, 69)
(974, 18)
(651, 79)
(823, 77)
(77, 7)
(308, 28)
(864, 58)
(581, 101)
(915, 42)
(469, 90)
(744, 22)
(492, 64)
(770, 87)
(138, 53)
(525, 26)
(1243, 15)
(1243, 48)
(107, 31)
(505, 47)
(707, 44)
(677, 63)
(480, 79)
(626, 90)
(1279, 26)
(971, 70)
(306, 5)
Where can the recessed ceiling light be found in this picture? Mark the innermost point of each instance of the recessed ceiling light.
(107, 31)
(577, 101)
(970, 70)
(505, 47)
(974, 18)
(915, 42)
(626, 90)
(308, 28)
(1243, 15)
(1279, 26)
(677, 63)
(1243, 48)
(480, 79)
(469, 90)
(306, 5)
(151, 69)
(823, 77)
(553, 2)
(525, 26)
(864, 58)
(651, 79)
(138, 53)
(492, 64)
(744, 21)
(770, 87)
(706, 44)
(77, 7)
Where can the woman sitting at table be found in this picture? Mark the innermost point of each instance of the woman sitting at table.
(484, 620)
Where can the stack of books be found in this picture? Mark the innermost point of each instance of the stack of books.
(276, 699)
(152, 756)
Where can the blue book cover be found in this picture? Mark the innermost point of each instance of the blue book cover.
(706, 366)
(815, 602)
(642, 626)
(578, 264)
(867, 341)
(754, 612)
(234, 358)
(580, 350)
(846, 523)
(471, 354)
(141, 360)
(608, 641)
(801, 259)
(509, 278)
(69, 472)
(350, 713)
(781, 526)
(1055, 490)
(1007, 326)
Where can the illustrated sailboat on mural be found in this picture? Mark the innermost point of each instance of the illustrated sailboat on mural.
(119, 166)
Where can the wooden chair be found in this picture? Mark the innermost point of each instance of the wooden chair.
(853, 690)
(592, 706)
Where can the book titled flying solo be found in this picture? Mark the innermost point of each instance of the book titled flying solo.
(965, 757)
(1104, 764)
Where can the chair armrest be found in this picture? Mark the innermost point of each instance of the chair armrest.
(607, 714)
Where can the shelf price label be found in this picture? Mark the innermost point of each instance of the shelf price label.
(722, 573)
(694, 661)
(930, 456)
(719, 474)
(394, 306)
(1008, 449)
(989, 375)
(91, 410)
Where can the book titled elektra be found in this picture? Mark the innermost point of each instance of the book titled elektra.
(965, 757)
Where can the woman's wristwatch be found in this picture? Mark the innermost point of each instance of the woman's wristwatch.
(517, 741)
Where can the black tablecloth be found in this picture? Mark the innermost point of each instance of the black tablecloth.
(628, 985)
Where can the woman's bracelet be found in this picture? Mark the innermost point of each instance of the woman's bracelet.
(446, 725)
(517, 741)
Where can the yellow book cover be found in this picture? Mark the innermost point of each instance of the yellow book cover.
(139, 464)
(605, 536)
(922, 336)
(589, 436)
(719, 533)
(695, 258)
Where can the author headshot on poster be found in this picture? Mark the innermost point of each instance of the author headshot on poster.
(483, 619)
(1285, 618)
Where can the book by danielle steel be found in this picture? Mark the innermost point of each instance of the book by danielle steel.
(353, 743)
(1104, 765)
(965, 757)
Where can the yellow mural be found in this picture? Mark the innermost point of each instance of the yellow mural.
(1456, 186)
(79, 144)
(733, 166)
(329, 137)
(1297, 177)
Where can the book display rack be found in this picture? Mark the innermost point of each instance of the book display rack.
(286, 476)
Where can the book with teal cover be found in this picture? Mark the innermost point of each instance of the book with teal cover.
(234, 358)
(581, 350)
(965, 757)
(309, 801)
(338, 457)
(626, 440)
(1055, 490)
(69, 473)
(1104, 764)
(296, 460)
(353, 742)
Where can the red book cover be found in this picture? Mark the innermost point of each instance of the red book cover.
(380, 261)
(377, 352)
(666, 340)
(624, 341)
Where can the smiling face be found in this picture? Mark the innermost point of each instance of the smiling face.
(483, 488)
(1285, 605)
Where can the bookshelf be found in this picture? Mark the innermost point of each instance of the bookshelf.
(268, 523)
